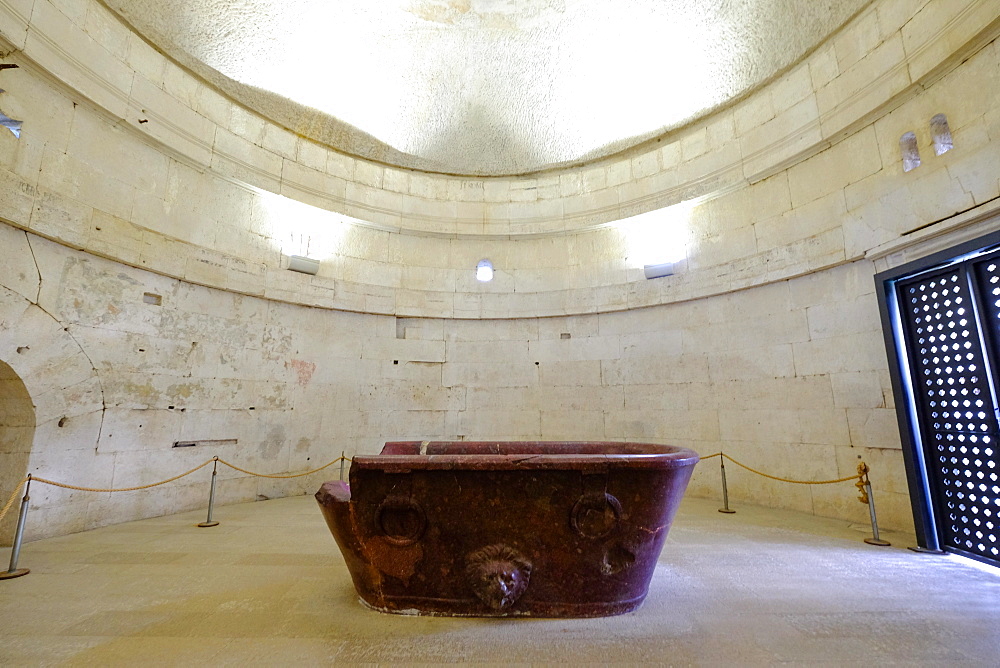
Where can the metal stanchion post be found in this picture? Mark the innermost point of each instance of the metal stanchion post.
(211, 498)
(725, 489)
(13, 571)
(342, 459)
(874, 540)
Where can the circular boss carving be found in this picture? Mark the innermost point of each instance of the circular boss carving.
(595, 515)
(401, 520)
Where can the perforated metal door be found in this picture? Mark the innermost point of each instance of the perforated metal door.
(951, 320)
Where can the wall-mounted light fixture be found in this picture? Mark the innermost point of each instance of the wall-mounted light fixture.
(484, 271)
(658, 270)
(304, 265)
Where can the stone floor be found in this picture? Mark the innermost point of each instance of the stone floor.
(268, 587)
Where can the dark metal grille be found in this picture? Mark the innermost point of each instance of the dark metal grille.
(955, 405)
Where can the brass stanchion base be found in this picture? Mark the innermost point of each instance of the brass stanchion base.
(207, 524)
(8, 575)
(882, 543)
(727, 511)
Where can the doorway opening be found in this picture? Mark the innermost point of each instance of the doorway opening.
(17, 432)
(941, 321)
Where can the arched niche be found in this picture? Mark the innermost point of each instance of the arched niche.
(17, 431)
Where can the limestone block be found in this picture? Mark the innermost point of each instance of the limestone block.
(838, 166)
(791, 88)
(892, 15)
(802, 222)
(664, 397)
(800, 393)
(129, 429)
(213, 106)
(653, 344)
(501, 425)
(588, 348)
(492, 330)
(655, 370)
(50, 111)
(486, 351)
(77, 59)
(572, 425)
(114, 238)
(768, 362)
(411, 350)
(413, 302)
(863, 87)
(712, 170)
(310, 186)
(874, 428)
(146, 61)
(843, 283)
(665, 426)
(825, 426)
(472, 374)
(940, 28)
(767, 145)
(645, 165)
(570, 374)
(861, 389)
(712, 249)
(69, 401)
(404, 396)
(15, 16)
(752, 113)
(280, 141)
(238, 158)
(860, 316)
(693, 143)
(106, 30)
(858, 40)
(605, 398)
(83, 468)
(938, 194)
(488, 398)
(18, 272)
(839, 354)
(977, 173)
(245, 277)
(368, 173)
(523, 190)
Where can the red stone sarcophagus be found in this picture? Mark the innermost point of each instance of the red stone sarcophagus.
(497, 529)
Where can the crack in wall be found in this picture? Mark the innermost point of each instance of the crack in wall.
(66, 329)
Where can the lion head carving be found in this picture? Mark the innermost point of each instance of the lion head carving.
(498, 575)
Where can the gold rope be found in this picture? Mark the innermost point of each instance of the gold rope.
(284, 477)
(773, 477)
(10, 501)
(17, 490)
(123, 489)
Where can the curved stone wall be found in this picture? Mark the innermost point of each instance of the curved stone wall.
(131, 177)
(772, 187)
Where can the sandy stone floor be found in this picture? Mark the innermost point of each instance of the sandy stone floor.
(268, 587)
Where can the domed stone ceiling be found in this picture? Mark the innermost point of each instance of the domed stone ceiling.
(485, 87)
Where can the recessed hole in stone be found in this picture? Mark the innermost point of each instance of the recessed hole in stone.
(941, 134)
(152, 298)
(911, 155)
(565, 335)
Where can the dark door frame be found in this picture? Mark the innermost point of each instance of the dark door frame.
(921, 504)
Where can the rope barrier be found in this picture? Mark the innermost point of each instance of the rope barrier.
(284, 477)
(121, 489)
(13, 496)
(17, 490)
(774, 477)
